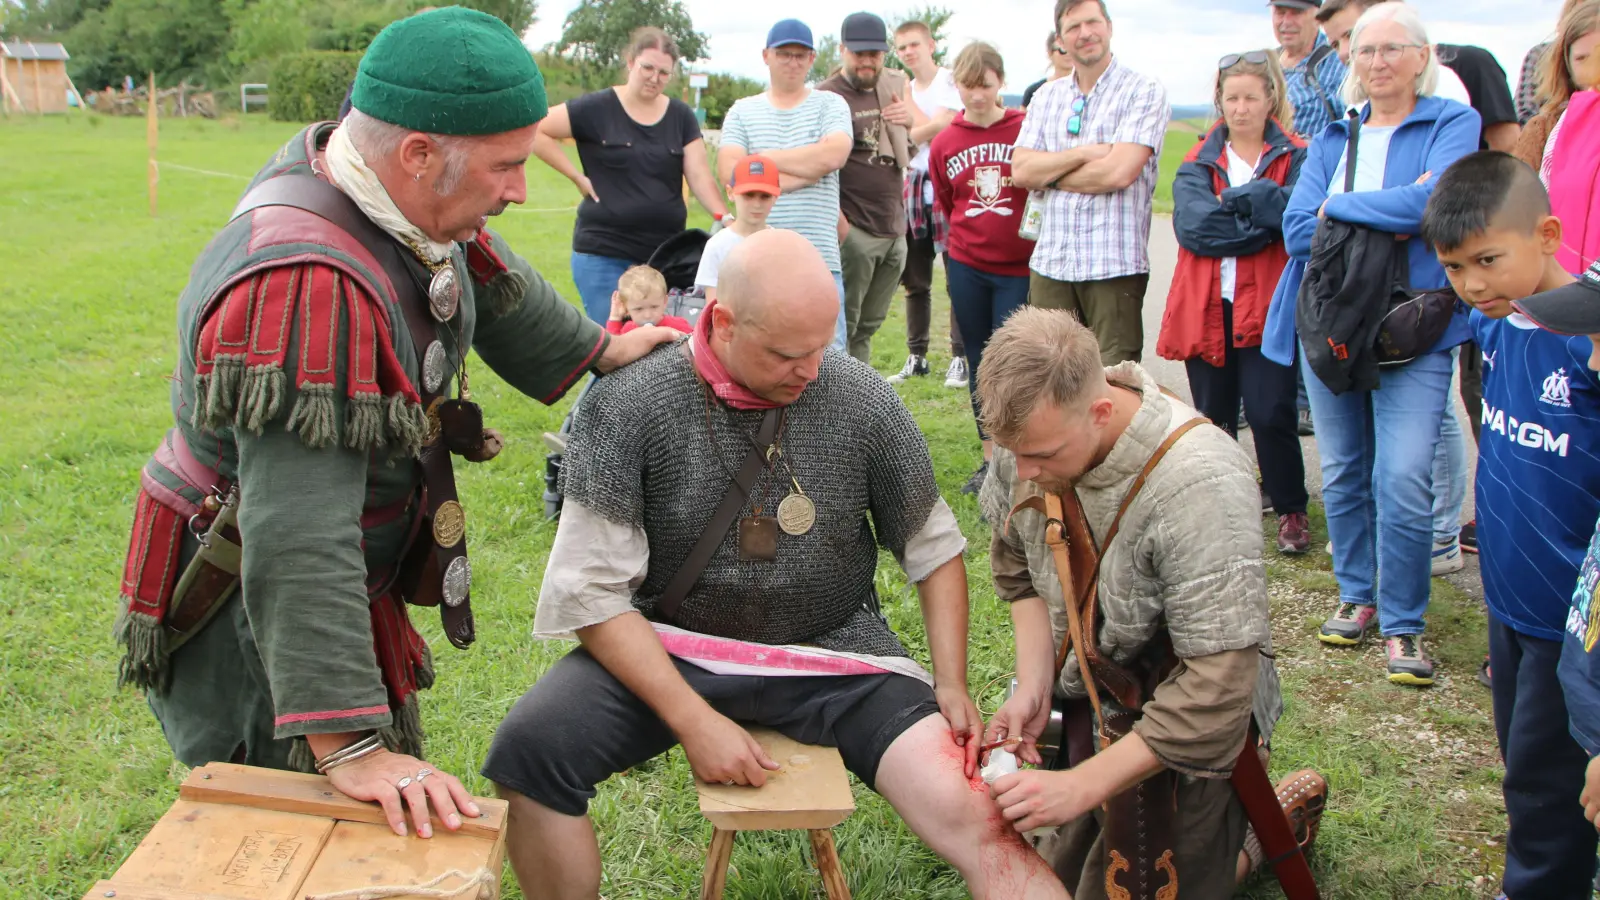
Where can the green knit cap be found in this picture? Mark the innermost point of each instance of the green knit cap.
(450, 71)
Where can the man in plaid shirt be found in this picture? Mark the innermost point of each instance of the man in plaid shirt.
(1312, 70)
(1090, 144)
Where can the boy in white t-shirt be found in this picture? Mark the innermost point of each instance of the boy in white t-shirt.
(933, 91)
(753, 191)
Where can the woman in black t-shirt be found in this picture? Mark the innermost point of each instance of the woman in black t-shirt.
(637, 146)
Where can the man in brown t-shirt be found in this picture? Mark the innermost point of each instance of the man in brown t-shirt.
(870, 184)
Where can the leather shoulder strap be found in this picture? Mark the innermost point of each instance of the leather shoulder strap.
(322, 199)
(721, 520)
(1081, 610)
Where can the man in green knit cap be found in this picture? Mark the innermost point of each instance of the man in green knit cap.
(305, 494)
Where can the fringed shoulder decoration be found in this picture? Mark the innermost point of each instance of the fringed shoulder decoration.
(502, 287)
(241, 376)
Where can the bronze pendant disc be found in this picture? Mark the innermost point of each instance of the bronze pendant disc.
(449, 524)
(797, 514)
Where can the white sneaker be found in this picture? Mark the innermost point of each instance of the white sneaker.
(1447, 558)
(956, 375)
(914, 367)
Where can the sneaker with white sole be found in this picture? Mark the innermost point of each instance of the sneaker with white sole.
(1447, 558)
(1408, 664)
(1348, 624)
(956, 375)
(915, 366)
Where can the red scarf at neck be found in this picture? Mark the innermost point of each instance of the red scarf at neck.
(716, 374)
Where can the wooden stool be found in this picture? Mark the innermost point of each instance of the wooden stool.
(811, 791)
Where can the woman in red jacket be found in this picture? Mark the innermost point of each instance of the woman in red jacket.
(1228, 201)
(985, 262)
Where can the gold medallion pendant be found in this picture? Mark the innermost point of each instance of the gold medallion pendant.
(797, 514)
(449, 524)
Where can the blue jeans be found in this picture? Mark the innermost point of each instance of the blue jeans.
(1449, 476)
(841, 333)
(982, 302)
(1549, 847)
(596, 278)
(1377, 485)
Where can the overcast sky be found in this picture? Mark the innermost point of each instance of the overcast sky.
(1178, 42)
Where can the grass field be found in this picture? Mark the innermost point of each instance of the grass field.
(87, 294)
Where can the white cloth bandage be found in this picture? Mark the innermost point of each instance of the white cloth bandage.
(351, 174)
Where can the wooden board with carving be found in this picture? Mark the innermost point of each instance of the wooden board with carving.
(241, 833)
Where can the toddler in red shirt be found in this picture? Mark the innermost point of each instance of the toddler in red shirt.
(641, 299)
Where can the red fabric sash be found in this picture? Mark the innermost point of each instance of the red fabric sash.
(716, 374)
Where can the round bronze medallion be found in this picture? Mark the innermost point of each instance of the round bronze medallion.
(434, 426)
(444, 293)
(797, 514)
(449, 524)
(434, 366)
(457, 581)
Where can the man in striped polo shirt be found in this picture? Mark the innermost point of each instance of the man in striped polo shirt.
(1090, 145)
(808, 134)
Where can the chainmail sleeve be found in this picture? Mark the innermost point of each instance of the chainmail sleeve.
(901, 490)
(613, 431)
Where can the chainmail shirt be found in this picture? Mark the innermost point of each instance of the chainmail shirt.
(647, 450)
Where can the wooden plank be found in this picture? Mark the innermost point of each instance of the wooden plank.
(358, 855)
(228, 851)
(313, 795)
(811, 791)
(122, 890)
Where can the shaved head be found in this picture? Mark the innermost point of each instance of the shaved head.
(776, 311)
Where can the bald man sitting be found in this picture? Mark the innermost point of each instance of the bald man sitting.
(781, 626)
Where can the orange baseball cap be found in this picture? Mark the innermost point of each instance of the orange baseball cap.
(756, 174)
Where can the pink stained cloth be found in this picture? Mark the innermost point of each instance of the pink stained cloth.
(726, 656)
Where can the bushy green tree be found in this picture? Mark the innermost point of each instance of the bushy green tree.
(720, 93)
(176, 39)
(597, 31)
(827, 61)
(310, 86)
(937, 18)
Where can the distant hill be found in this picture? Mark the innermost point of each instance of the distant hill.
(1191, 112)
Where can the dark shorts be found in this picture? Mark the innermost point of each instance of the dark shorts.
(578, 726)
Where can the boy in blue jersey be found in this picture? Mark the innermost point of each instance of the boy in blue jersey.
(1575, 309)
(1538, 490)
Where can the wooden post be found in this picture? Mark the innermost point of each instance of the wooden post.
(822, 847)
(38, 89)
(715, 876)
(7, 98)
(152, 128)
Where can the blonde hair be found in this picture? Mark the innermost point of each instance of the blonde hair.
(1039, 356)
(1271, 75)
(640, 282)
(1427, 79)
(975, 59)
(1557, 80)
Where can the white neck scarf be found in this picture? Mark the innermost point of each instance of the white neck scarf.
(351, 175)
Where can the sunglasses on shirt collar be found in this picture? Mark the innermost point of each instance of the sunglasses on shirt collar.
(1253, 57)
(1075, 124)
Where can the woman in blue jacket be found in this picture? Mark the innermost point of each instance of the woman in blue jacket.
(1378, 446)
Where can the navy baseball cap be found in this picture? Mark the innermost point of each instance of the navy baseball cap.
(864, 32)
(790, 31)
(1574, 309)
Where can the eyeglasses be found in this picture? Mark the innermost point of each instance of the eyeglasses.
(1253, 57)
(1075, 124)
(654, 72)
(1390, 53)
(794, 57)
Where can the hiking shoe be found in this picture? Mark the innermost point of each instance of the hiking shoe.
(956, 375)
(1447, 558)
(1294, 534)
(1303, 796)
(1347, 626)
(1303, 426)
(1486, 678)
(1469, 537)
(915, 365)
(975, 483)
(1407, 663)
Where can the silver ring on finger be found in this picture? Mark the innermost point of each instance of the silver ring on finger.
(729, 782)
(403, 783)
(423, 773)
